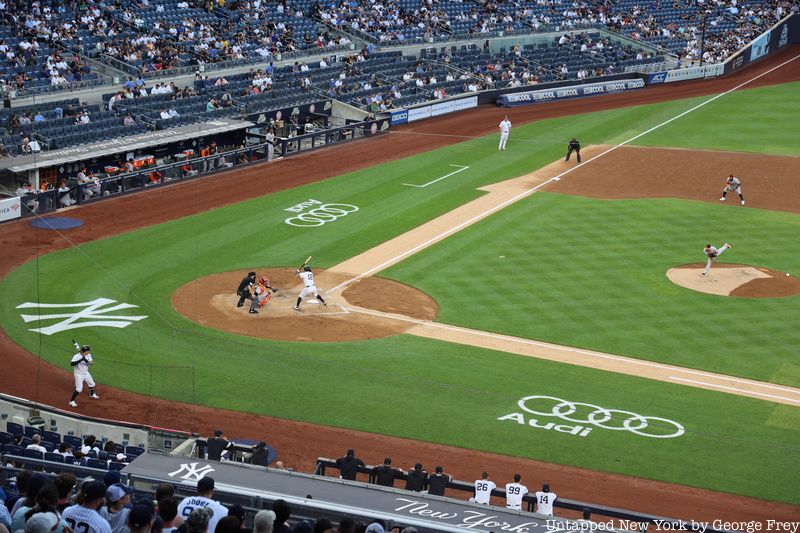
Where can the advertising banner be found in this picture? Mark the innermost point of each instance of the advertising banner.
(10, 208)
(399, 116)
(571, 91)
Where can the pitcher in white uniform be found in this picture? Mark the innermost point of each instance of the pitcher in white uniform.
(712, 253)
(308, 280)
(505, 127)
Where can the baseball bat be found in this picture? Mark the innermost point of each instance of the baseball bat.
(76, 345)
(308, 259)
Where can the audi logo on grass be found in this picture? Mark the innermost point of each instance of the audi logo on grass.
(582, 418)
(313, 213)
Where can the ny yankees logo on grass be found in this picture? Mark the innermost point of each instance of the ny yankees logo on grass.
(192, 472)
(91, 315)
(583, 415)
(319, 215)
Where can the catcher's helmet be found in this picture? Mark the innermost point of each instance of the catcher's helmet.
(307, 268)
(264, 280)
(86, 348)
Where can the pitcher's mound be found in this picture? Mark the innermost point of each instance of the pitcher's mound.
(743, 281)
(211, 301)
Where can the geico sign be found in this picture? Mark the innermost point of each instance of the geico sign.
(585, 417)
(321, 215)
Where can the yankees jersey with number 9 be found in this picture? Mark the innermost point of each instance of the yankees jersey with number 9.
(514, 494)
(483, 490)
(84, 520)
(544, 502)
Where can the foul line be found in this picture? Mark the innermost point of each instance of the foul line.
(461, 168)
(599, 355)
(743, 392)
(530, 191)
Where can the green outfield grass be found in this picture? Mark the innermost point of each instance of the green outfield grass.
(577, 271)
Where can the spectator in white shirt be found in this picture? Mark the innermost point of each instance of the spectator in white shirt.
(36, 444)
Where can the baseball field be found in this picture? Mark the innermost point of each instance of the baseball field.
(480, 299)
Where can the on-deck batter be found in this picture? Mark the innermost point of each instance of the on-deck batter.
(80, 363)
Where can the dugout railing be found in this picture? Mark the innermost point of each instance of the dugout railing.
(529, 501)
(194, 167)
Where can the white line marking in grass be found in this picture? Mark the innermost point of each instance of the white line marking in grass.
(742, 391)
(461, 168)
(530, 191)
(589, 353)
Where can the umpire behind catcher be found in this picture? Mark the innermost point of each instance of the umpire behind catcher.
(574, 146)
(245, 291)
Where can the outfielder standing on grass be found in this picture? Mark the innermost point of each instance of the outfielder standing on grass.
(732, 184)
(81, 362)
(505, 128)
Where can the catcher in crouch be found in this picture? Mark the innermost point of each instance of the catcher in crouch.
(264, 291)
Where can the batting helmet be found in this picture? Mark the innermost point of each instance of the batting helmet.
(86, 348)
(307, 268)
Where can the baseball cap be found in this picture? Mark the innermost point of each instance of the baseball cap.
(41, 523)
(205, 484)
(117, 491)
(198, 519)
(94, 490)
(140, 516)
(121, 457)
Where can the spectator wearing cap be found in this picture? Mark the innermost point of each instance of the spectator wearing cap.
(238, 511)
(140, 519)
(416, 478)
(168, 511)
(348, 465)
(205, 491)
(92, 496)
(385, 474)
(218, 445)
(438, 482)
(42, 523)
(199, 520)
(118, 496)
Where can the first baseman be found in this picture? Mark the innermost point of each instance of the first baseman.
(308, 280)
(712, 253)
(505, 128)
(732, 184)
(574, 146)
(80, 363)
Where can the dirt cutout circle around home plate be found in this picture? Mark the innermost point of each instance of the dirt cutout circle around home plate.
(742, 281)
(211, 302)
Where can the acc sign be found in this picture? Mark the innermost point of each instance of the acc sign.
(319, 216)
(584, 417)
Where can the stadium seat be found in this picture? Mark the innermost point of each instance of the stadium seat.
(6, 438)
(13, 427)
(97, 463)
(11, 449)
(54, 457)
(30, 431)
(134, 451)
(116, 466)
(51, 436)
(73, 441)
(32, 454)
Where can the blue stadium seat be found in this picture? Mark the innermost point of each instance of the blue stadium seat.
(116, 466)
(13, 427)
(30, 431)
(51, 436)
(32, 454)
(11, 449)
(73, 441)
(97, 463)
(135, 451)
(6, 438)
(54, 457)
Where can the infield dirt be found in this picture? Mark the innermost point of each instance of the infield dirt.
(299, 443)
